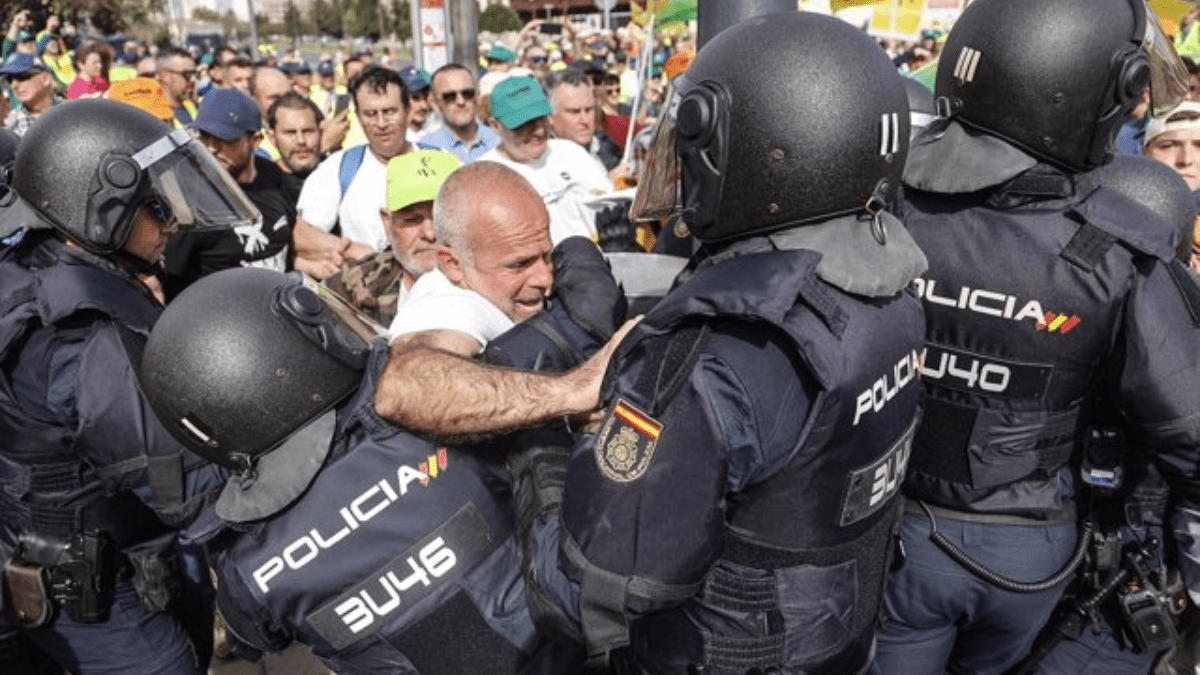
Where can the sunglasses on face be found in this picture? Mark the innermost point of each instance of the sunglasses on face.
(451, 96)
(537, 59)
(22, 77)
(185, 74)
(160, 209)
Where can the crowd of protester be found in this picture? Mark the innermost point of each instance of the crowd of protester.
(325, 149)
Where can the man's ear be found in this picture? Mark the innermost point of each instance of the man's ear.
(258, 136)
(450, 264)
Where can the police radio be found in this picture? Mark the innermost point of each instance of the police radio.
(1146, 607)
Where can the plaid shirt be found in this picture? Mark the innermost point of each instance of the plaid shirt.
(20, 120)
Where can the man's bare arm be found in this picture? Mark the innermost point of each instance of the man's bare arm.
(431, 390)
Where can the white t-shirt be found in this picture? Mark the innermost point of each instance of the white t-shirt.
(433, 303)
(566, 177)
(357, 210)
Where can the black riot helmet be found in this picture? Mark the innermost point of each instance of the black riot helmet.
(88, 165)
(785, 119)
(1057, 78)
(1152, 184)
(244, 358)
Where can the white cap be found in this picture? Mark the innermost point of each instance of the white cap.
(1161, 124)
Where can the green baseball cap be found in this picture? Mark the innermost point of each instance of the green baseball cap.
(416, 176)
(517, 100)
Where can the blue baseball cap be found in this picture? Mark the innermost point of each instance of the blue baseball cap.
(325, 68)
(20, 62)
(414, 81)
(296, 68)
(517, 100)
(227, 114)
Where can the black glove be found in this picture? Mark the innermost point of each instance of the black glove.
(615, 231)
(585, 286)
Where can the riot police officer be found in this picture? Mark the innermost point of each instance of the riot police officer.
(383, 550)
(1045, 305)
(1119, 614)
(94, 486)
(734, 512)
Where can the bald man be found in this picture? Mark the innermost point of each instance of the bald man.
(493, 262)
(494, 271)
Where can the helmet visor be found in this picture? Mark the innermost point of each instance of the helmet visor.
(1168, 76)
(658, 188)
(192, 186)
(359, 323)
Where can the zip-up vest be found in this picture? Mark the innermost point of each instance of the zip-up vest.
(48, 489)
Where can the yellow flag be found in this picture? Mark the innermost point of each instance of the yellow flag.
(1170, 10)
(839, 5)
(641, 15)
(898, 18)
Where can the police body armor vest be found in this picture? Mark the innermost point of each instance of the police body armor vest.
(798, 584)
(399, 557)
(1013, 361)
(49, 490)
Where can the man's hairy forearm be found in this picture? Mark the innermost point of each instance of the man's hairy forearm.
(436, 392)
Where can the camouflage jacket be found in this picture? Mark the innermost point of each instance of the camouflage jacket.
(371, 284)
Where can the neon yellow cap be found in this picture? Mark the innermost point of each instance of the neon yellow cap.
(416, 176)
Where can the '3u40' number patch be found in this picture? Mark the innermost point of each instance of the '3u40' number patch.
(626, 443)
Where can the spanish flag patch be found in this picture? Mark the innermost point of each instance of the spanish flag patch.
(626, 443)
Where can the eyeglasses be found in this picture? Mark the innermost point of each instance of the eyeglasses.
(21, 77)
(537, 59)
(185, 74)
(451, 96)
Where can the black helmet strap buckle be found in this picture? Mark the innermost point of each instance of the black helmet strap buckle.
(874, 206)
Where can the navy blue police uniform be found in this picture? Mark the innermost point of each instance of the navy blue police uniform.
(401, 555)
(734, 511)
(1041, 303)
(399, 558)
(95, 485)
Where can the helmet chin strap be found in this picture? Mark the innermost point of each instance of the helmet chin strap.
(123, 260)
(135, 265)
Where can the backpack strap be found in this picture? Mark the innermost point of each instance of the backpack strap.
(348, 167)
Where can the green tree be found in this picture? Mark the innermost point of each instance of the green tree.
(206, 14)
(401, 24)
(293, 24)
(326, 17)
(116, 16)
(229, 24)
(499, 18)
(362, 19)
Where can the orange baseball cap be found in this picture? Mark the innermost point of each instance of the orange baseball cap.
(145, 93)
(678, 63)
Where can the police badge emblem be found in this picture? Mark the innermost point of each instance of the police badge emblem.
(626, 443)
